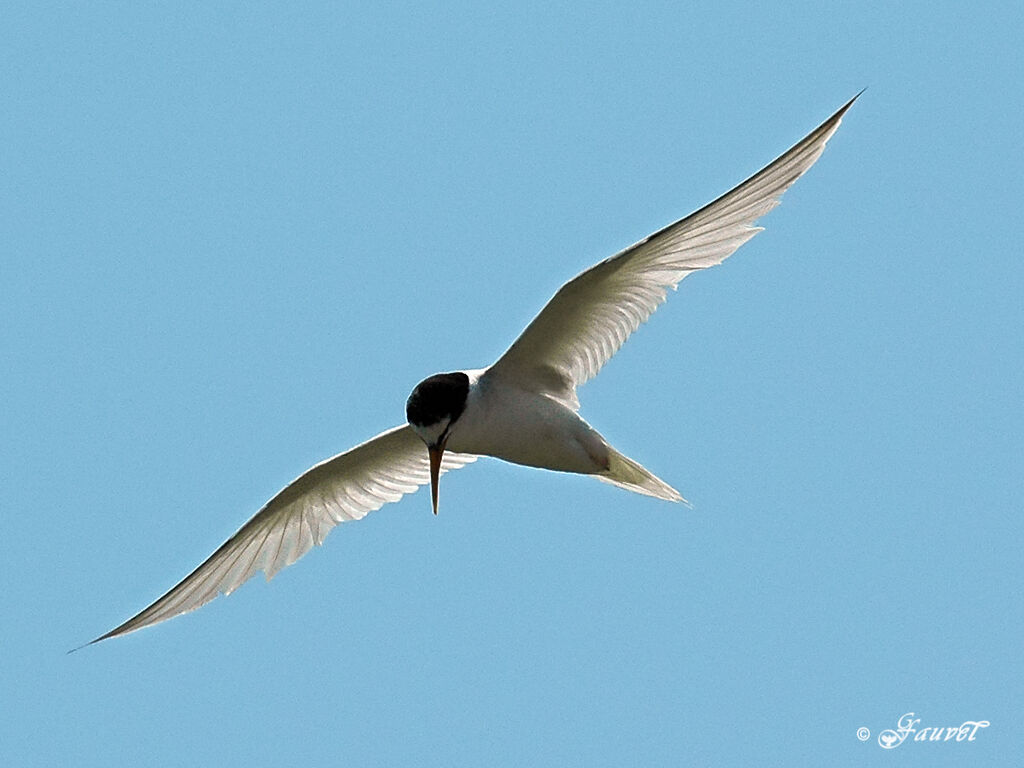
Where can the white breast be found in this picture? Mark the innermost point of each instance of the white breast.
(525, 428)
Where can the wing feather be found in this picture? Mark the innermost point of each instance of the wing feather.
(340, 489)
(591, 316)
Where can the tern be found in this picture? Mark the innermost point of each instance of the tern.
(522, 409)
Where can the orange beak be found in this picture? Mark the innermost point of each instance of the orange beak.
(436, 452)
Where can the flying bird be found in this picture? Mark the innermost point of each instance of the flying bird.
(522, 409)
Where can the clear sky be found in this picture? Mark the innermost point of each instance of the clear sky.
(235, 236)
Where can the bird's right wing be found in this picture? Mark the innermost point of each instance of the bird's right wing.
(592, 315)
(343, 488)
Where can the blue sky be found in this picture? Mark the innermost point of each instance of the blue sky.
(235, 237)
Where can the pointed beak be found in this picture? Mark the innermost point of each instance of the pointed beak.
(436, 452)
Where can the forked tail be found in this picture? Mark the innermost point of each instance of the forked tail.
(626, 473)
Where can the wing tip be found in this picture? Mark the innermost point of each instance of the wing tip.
(112, 633)
(856, 96)
(839, 113)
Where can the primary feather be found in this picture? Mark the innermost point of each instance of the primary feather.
(340, 489)
(592, 315)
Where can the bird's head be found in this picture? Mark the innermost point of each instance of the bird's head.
(432, 409)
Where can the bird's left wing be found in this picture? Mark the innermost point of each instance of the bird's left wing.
(343, 488)
(591, 316)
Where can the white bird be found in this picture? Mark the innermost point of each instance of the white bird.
(522, 409)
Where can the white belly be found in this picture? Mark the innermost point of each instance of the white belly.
(530, 429)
